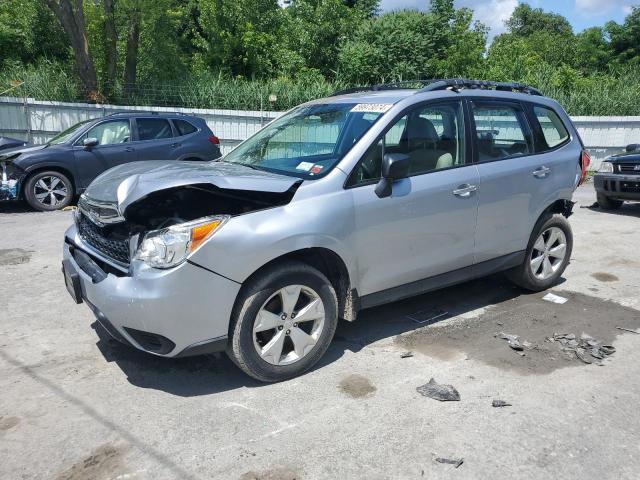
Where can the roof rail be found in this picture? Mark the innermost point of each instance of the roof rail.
(145, 112)
(384, 86)
(443, 84)
(460, 83)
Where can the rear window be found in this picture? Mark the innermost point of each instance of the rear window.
(153, 128)
(553, 130)
(500, 132)
(184, 127)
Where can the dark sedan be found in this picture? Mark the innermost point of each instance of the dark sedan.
(49, 176)
(618, 179)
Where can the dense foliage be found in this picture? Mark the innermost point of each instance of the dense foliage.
(236, 53)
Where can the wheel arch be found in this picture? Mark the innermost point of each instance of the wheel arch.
(45, 168)
(331, 265)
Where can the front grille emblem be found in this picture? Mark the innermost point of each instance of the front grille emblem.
(100, 213)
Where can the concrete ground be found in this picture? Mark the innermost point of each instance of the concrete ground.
(75, 406)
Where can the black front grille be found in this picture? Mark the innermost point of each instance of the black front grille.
(629, 168)
(98, 238)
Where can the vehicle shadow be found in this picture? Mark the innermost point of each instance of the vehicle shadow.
(626, 210)
(210, 374)
(14, 206)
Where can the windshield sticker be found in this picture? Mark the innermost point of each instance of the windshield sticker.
(316, 169)
(372, 107)
(306, 166)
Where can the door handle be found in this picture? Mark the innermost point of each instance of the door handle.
(129, 149)
(541, 172)
(174, 145)
(464, 190)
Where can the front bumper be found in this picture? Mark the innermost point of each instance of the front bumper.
(617, 186)
(175, 312)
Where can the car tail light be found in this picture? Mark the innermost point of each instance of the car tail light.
(585, 160)
(213, 139)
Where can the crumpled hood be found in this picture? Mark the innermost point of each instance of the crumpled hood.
(127, 183)
(11, 153)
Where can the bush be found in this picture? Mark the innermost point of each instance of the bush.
(45, 81)
(615, 92)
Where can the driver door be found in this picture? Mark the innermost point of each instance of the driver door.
(427, 226)
(113, 148)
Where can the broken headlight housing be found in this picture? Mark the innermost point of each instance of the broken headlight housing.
(169, 247)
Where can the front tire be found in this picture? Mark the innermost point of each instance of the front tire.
(607, 203)
(283, 322)
(47, 191)
(547, 254)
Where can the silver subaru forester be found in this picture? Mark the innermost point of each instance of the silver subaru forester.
(340, 204)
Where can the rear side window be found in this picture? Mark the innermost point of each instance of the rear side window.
(153, 128)
(501, 132)
(184, 127)
(553, 130)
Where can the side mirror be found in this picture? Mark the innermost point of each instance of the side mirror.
(90, 142)
(633, 147)
(395, 166)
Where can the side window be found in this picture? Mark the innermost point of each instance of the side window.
(553, 130)
(432, 136)
(501, 132)
(153, 128)
(110, 133)
(184, 127)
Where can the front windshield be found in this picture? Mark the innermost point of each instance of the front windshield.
(308, 141)
(67, 134)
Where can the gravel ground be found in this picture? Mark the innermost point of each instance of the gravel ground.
(78, 406)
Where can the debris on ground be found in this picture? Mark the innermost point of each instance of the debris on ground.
(628, 330)
(451, 461)
(429, 315)
(70, 208)
(516, 345)
(583, 348)
(500, 403)
(592, 206)
(406, 355)
(553, 298)
(514, 342)
(443, 393)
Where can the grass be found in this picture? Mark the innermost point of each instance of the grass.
(616, 93)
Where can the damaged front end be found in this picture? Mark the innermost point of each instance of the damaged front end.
(11, 177)
(164, 227)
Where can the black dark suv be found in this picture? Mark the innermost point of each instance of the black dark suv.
(618, 179)
(49, 176)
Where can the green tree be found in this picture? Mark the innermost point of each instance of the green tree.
(29, 32)
(525, 21)
(625, 38)
(411, 44)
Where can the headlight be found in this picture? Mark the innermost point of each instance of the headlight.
(171, 246)
(606, 167)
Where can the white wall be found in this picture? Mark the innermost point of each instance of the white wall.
(38, 121)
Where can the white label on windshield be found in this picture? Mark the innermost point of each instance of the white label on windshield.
(306, 166)
(372, 107)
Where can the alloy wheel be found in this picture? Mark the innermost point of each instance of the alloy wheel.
(50, 190)
(548, 253)
(288, 325)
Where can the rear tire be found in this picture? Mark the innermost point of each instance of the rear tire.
(547, 254)
(607, 203)
(48, 190)
(266, 340)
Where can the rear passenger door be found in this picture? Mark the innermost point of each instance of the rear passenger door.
(514, 181)
(155, 139)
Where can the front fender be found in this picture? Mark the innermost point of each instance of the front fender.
(248, 242)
